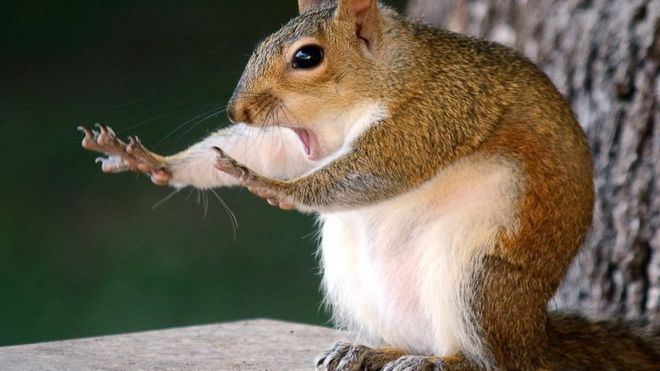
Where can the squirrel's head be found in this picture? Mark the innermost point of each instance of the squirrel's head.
(319, 74)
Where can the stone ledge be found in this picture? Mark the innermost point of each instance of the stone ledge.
(246, 345)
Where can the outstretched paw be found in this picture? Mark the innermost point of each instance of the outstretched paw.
(122, 157)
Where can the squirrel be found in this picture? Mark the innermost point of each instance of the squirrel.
(452, 181)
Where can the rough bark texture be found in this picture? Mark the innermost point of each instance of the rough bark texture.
(603, 55)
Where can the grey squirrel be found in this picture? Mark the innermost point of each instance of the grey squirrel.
(452, 182)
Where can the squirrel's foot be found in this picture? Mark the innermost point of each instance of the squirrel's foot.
(122, 157)
(254, 183)
(415, 363)
(348, 357)
(343, 356)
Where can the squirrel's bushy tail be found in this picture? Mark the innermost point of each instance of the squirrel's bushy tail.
(576, 343)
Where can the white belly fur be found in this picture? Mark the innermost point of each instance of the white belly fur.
(392, 271)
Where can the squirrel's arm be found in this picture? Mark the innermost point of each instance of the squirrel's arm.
(373, 170)
(272, 151)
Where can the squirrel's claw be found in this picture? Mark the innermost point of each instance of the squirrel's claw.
(108, 141)
(103, 141)
(89, 140)
(89, 133)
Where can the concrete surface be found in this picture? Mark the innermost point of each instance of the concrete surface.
(247, 345)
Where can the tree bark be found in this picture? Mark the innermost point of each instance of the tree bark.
(603, 55)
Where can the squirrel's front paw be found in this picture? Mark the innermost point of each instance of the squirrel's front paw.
(122, 157)
(249, 179)
(145, 161)
(230, 166)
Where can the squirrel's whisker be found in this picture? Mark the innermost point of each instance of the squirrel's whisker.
(230, 213)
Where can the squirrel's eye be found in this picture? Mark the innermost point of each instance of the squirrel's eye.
(309, 56)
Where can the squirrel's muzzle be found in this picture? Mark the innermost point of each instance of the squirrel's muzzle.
(237, 112)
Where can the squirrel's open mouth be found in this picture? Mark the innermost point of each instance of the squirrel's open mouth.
(309, 142)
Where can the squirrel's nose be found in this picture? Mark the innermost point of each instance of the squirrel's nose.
(238, 112)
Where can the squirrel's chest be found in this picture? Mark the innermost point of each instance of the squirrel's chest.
(393, 272)
(369, 267)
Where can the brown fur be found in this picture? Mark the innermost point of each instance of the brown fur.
(449, 96)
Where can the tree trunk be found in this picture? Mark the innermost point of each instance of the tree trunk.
(603, 55)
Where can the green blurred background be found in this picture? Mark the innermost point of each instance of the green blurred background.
(82, 253)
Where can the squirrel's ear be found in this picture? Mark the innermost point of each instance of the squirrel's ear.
(305, 5)
(365, 14)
